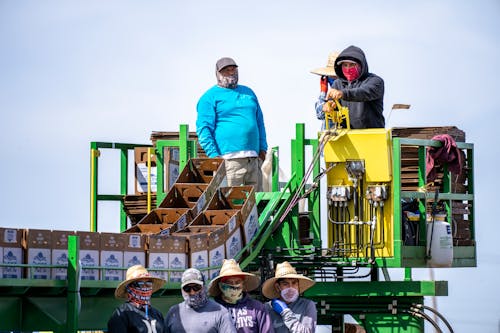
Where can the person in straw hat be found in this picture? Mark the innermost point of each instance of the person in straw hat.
(290, 313)
(327, 77)
(137, 314)
(230, 289)
(197, 313)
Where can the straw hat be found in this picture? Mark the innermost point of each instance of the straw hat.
(232, 268)
(135, 273)
(329, 70)
(285, 271)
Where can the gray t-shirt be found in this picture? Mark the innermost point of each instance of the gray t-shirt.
(212, 318)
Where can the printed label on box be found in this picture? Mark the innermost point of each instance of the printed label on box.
(12, 256)
(134, 241)
(216, 256)
(10, 236)
(158, 261)
(177, 261)
(112, 259)
(39, 257)
(233, 244)
(142, 177)
(89, 258)
(199, 260)
(134, 258)
(59, 257)
(251, 225)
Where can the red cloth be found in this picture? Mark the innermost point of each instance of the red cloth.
(447, 153)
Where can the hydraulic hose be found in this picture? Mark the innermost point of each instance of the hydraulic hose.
(419, 314)
(443, 319)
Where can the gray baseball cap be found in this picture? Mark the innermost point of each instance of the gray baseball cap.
(192, 275)
(224, 62)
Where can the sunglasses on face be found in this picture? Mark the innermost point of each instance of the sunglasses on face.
(143, 284)
(194, 287)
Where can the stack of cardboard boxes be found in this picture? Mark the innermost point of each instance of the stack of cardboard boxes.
(198, 224)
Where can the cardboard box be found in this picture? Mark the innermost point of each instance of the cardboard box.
(172, 166)
(157, 256)
(177, 256)
(229, 220)
(89, 254)
(111, 256)
(135, 250)
(162, 221)
(141, 170)
(38, 247)
(11, 252)
(192, 196)
(243, 199)
(216, 250)
(60, 253)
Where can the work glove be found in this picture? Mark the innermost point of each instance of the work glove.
(278, 306)
(323, 84)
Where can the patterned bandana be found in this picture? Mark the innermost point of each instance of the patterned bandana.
(197, 300)
(351, 73)
(139, 293)
(230, 81)
(231, 293)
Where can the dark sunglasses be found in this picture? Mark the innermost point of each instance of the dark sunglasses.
(194, 287)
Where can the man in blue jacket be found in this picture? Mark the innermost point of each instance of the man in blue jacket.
(230, 125)
(358, 89)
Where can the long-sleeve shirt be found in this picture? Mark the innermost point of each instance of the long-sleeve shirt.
(211, 318)
(364, 96)
(230, 120)
(129, 319)
(249, 315)
(300, 317)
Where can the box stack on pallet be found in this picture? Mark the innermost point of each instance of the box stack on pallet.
(409, 176)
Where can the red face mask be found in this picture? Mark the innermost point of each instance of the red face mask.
(351, 73)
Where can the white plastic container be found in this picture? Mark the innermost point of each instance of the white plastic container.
(441, 254)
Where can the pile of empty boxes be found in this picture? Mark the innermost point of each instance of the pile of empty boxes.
(199, 223)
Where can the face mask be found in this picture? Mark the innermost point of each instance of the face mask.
(197, 300)
(231, 294)
(140, 292)
(290, 294)
(351, 73)
(230, 81)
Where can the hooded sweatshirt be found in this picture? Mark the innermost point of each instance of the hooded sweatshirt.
(364, 97)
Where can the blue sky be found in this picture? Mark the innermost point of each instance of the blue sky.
(82, 71)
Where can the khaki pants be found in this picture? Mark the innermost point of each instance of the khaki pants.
(244, 171)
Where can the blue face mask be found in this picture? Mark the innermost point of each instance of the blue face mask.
(330, 81)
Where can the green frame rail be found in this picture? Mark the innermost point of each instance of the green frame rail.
(71, 305)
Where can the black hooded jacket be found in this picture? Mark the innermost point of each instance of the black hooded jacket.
(364, 96)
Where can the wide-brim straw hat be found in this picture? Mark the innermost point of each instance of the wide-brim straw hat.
(329, 70)
(285, 271)
(232, 268)
(136, 273)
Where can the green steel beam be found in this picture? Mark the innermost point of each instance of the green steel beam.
(73, 294)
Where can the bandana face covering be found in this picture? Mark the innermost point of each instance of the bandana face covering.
(290, 294)
(231, 293)
(139, 293)
(351, 73)
(230, 81)
(197, 300)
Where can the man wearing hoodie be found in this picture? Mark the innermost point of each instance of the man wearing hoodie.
(359, 90)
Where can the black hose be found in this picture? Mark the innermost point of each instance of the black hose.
(443, 319)
(419, 314)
